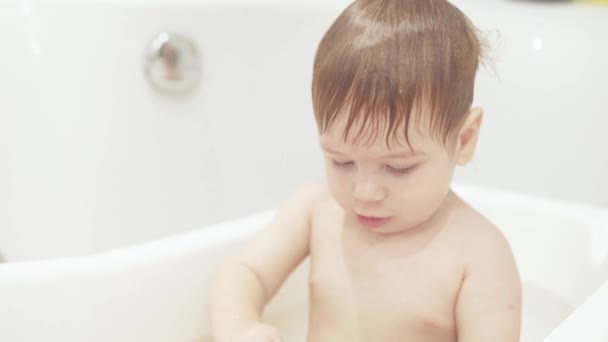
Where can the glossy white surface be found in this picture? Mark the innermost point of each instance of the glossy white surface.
(587, 323)
(156, 292)
(92, 158)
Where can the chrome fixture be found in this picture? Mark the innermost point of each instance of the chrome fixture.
(172, 62)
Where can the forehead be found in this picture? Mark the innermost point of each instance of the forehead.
(374, 137)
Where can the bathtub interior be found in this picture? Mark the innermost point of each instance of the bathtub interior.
(561, 250)
(157, 291)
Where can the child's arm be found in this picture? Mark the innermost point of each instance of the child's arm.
(489, 302)
(246, 282)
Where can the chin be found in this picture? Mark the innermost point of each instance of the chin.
(402, 227)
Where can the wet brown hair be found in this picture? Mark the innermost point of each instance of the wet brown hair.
(381, 59)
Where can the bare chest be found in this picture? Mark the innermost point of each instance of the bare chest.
(381, 292)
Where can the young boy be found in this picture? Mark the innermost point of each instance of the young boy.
(395, 254)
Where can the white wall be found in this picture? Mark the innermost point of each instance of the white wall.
(546, 109)
(92, 158)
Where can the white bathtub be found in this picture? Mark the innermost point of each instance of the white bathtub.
(156, 291)
(107, 185)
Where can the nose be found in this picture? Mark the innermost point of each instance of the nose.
(368, 192)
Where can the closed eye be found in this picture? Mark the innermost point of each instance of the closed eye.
(343, 164)
(400, 170)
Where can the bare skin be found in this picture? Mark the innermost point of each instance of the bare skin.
(404, 287)
(433, 270)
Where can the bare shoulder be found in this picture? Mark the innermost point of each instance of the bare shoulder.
(486, 241)
(309, 195)
(280, 246)
(489, 301)
(302, 199)
(313, 190)
(314, 195)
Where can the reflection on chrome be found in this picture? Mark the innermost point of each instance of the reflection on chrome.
(172, 62)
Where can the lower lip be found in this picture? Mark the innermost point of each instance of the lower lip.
(372, 222)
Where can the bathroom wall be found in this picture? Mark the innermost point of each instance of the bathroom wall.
(91, 157)
(546, 108)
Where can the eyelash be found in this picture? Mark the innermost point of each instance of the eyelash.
(342, 164)
(393, 170)
(400, 171)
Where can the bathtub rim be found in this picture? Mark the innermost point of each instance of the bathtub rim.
(595, 218)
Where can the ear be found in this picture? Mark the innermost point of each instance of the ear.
(467, 137)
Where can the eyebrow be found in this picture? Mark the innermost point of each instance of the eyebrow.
(405, 154)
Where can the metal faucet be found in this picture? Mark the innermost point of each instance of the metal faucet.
(172, 63)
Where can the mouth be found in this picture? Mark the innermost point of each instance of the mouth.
(372, 222)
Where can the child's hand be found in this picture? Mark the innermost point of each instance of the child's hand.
(257, 332)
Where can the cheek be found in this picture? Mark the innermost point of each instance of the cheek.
(422, 194)
(418, 206)
(437, 175)
(338, 184)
